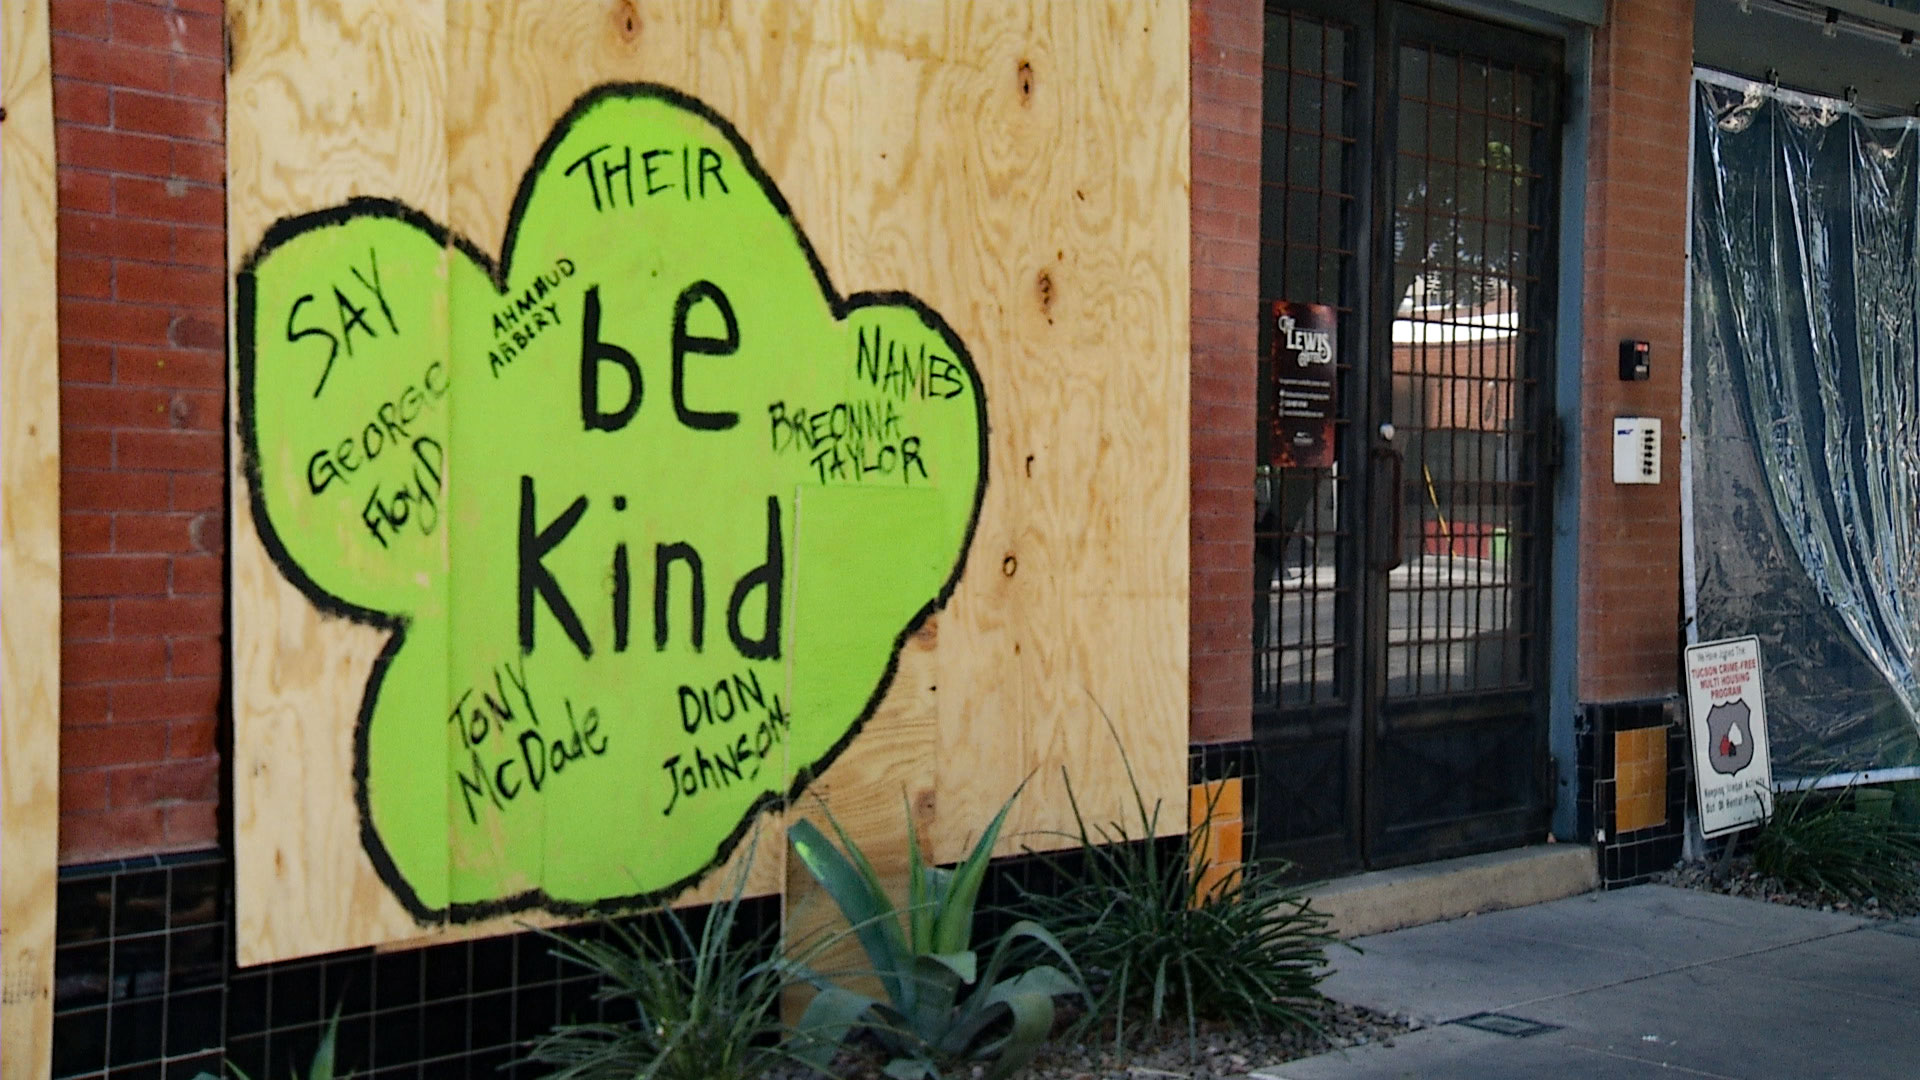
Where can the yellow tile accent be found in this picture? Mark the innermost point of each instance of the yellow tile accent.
(1224, 841)
(1226, 805)
(1225, 846)
(1215, 877)
(1640, 779)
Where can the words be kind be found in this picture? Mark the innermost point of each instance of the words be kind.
(733, 724)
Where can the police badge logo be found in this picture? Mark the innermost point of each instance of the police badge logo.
(1730, 737)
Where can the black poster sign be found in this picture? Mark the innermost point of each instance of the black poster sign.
(1303, 385)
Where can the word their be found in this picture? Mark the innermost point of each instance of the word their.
(609, 174)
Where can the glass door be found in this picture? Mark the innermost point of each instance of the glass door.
(1400, 582)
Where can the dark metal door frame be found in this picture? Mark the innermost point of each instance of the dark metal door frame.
(1379, 832)
(1389, 837)
(1314, 722)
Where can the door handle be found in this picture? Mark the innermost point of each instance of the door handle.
(1389, 471)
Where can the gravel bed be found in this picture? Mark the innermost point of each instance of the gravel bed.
(1739, 878)
(1221, 1051)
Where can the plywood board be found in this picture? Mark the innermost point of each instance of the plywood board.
(325, 102)
(981, 548)
(29, 545)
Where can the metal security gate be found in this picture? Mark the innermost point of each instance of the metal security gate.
(1409, 160)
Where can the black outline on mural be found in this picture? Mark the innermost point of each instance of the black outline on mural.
(286, 229)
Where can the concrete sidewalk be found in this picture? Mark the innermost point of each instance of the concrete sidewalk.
(1643, 982)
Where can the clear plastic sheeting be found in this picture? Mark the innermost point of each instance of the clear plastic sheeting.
(1804, 419)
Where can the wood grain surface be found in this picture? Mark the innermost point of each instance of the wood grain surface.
(29, 545)
(1020, 167)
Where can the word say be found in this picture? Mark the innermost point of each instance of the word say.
(348, 316)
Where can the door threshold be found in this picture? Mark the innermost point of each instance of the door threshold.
(1381, 900)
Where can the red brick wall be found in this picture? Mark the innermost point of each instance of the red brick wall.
(1227, 36)
(138, 94)
(1635, 288)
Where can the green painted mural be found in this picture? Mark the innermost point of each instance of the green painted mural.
(647, 507)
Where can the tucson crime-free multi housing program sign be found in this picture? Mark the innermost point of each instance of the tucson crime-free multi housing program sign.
(647, 508)
(1727, 705)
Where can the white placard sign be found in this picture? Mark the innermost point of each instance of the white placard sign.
(1727, 707)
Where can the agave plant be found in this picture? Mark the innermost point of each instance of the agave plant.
(941, 1006)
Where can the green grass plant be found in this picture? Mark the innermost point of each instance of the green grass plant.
(1164, 946)
(696, 1005)
(1818, 842)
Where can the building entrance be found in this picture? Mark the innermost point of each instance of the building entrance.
(1400, 575)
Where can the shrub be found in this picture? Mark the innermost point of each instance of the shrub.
(1822, 844)
(705, 1007)
(1250, 949)
(923, 958)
